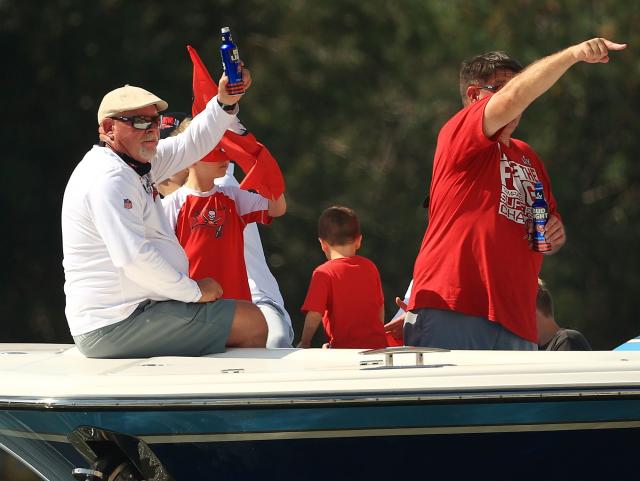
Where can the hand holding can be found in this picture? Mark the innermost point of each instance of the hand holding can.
(231, 63)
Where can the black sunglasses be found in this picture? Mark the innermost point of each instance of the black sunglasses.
(141, 122)
(491, 88)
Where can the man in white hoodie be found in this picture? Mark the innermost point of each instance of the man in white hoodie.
(126, 282)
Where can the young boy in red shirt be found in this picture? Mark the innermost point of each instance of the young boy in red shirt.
(345, 293)
(209, 221)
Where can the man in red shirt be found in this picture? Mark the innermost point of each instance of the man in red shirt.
(475, 277)
(345, 293)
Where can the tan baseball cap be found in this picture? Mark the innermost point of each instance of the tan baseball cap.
(128, 98)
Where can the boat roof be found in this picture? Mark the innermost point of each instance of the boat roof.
(59, 374)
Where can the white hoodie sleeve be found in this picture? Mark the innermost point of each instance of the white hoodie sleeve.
(185, 149)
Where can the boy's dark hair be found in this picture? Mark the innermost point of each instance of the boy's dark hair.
(544, 301)
(479, 69)
(338, 225)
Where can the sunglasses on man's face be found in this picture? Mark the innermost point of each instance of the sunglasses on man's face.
(141, 122)
(491, 88)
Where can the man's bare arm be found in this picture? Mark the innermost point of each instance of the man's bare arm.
(511, 101)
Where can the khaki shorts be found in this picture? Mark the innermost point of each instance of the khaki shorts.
(166, 328)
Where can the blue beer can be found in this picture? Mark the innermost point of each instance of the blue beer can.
(540, 210)
(231, 62)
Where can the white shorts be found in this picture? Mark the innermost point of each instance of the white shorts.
(278, 324)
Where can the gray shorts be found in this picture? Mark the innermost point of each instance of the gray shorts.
(454, 330)
(167, 328)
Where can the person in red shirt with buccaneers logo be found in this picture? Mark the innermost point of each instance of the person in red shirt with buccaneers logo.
(475, 277)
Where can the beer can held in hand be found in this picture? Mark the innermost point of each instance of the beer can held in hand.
(231, 62)
(540, 215)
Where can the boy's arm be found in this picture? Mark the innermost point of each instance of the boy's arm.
(252, 206)
(277, 207)
(311, 323)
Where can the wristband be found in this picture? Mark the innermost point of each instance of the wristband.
(225, 107)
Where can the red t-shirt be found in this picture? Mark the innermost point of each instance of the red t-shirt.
(348, 292)
(209, 226)
(475, 256)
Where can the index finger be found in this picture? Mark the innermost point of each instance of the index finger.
(613, 45)
(552, 220)
(401, 304)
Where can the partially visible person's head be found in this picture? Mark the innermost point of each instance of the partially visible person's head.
(178, 179)
(128, 121)
(546, 324)
(171, 124)
(544, 301)
(485, 74)
(212, 166)
(339, 226)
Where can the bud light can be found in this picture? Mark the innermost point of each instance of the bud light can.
(231, 62)
(540, 215)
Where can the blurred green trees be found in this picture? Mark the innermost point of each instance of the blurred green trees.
(349, 97)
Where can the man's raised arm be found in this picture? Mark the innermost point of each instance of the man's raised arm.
(507, 104)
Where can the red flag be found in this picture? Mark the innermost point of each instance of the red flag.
(265, 177)
(204, 88)
(262, 171)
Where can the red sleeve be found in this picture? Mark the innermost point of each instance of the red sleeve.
(464, 135)
(261, 217)
(317, 299)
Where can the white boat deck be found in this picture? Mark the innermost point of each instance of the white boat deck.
(54, 372)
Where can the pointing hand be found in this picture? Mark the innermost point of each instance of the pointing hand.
(596, 50)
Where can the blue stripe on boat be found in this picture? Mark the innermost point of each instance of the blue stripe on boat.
(631, 345)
